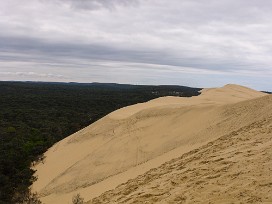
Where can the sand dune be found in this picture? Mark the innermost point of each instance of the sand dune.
(236, 168)
(214, 96)
(135, 139)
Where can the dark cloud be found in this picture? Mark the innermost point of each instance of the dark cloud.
(29, 49)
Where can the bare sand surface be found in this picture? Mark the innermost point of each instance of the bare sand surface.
(214, 96)
(135, 139)
(236, 168)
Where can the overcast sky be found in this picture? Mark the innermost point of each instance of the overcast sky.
(201, 43)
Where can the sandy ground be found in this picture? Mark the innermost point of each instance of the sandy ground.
(236, 168)
(132, 140)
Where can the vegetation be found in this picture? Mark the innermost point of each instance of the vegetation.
(33, 116)
(77, 199)
(27, 198)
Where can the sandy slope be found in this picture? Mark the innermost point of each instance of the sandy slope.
(214, 96)
(132, 140)
(236, 168)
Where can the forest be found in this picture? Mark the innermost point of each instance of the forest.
(35, 115)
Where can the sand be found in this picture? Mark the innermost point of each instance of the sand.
(132, 140)
(236, 168)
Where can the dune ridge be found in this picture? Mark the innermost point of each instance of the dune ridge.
(135, 139)
(234, 168)
(230, 93)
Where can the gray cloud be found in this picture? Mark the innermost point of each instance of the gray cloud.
(33, 74)
(227, 37)
(98, 4)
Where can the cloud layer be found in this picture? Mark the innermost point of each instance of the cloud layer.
(191, 40)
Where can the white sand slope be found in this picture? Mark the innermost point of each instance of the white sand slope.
(135, 139)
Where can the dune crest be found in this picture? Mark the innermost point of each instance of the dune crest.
(234, 168)
(135, 139)
(229, 93)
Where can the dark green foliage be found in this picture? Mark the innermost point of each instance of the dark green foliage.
(77, 199)
(33, 116)
(25, 197)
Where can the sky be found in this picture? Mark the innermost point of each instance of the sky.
(198, 43)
